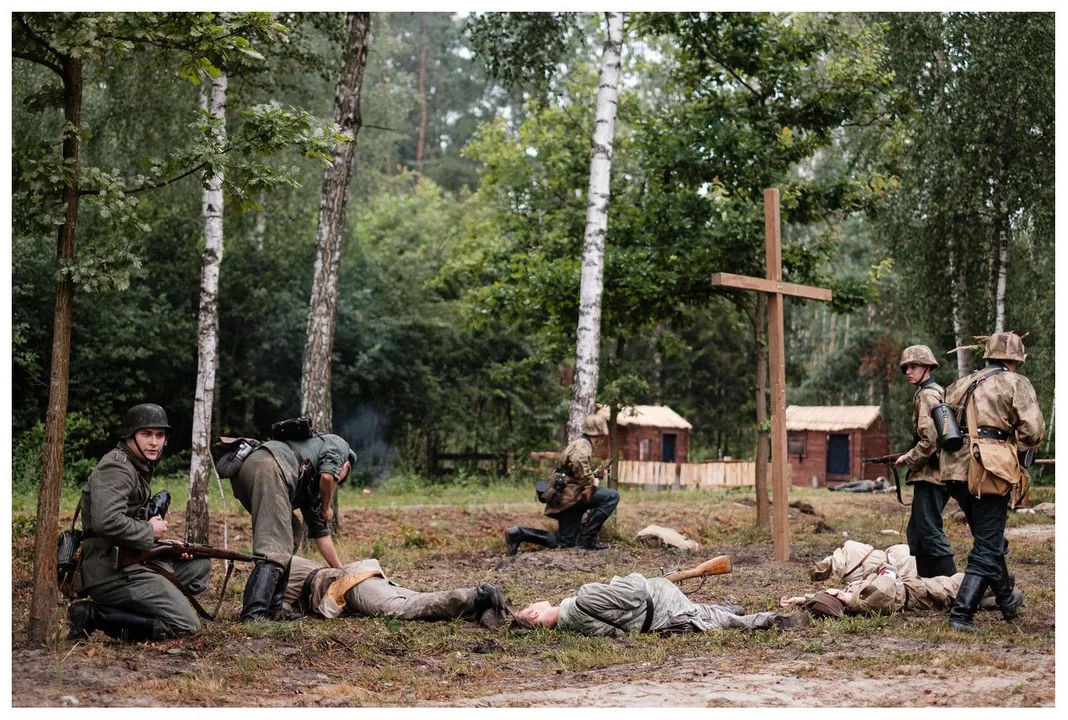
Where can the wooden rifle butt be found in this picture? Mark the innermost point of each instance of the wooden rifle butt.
(719, 565)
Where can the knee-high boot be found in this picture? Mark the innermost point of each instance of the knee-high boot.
(516, 535)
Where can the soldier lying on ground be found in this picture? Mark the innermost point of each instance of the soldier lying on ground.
(861, 486)
(638, 604)
(884, 591)
(362, 588)
(855, 561)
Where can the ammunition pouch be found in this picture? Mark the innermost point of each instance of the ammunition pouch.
(293, 429)
(229, 454)
(950, 435)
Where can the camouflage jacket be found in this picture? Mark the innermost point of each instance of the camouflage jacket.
(1005, 401)
(921, 459)
(577, 460)
(118, 487)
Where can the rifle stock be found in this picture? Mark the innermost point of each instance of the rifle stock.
(171, 549)
(716, 566)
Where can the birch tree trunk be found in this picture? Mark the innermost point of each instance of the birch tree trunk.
(200, 464)
(45, 595)
(322, 308)
(1001, 264)
(588, 335)
(960, 284)
(421, 139)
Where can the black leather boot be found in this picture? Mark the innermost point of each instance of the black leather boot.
(126, 625)
(516, 535)
(277, 609)
(84, 617)
(1008, 598)
(966, 603)
(942, 566)
(923, 566)
(259, 591)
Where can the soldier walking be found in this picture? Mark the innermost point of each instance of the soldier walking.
(999, 415)
(579, 495)
(926, 535)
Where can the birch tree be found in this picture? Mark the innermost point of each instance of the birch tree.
(322, 309)
(588, 333)
(200, 464)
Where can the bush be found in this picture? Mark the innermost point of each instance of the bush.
(28, 462)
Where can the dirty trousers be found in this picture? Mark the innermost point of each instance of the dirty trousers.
(719, 618)
(378, 596)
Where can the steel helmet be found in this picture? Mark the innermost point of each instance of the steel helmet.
(917, 355)
(1005, 346)
(145, 415)
(594, 425)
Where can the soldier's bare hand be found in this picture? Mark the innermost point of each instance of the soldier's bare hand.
(159, 526)
(901, 460)
(327, 514)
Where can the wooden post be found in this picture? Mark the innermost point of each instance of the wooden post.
(775, 288)
(777, 367)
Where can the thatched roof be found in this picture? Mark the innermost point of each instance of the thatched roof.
(830, 418)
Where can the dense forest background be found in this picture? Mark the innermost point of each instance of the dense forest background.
(915, 154)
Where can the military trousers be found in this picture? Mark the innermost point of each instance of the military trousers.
(986, 516)
(149, 593)
(261, 488)
(719, 618)
(378, 596)
(601, 505)
(925, 533)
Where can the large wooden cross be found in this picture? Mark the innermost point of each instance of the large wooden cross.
(775, 289)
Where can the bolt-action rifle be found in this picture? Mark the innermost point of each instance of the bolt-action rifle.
(888, 460)
(173, 550)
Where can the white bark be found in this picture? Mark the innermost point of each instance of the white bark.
(1002, 274)
(207, 333)
(588, 336)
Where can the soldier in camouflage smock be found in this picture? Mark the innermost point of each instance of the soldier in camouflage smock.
(581, 493)
(998, 413)
(134, 603)
(926, 536)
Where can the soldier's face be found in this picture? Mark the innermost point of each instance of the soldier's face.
(147, 443)
(539, 614)
(916, 373)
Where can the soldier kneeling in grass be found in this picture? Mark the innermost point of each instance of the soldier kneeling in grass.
(361, 588)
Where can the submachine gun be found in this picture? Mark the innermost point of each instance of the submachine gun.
(888, 460)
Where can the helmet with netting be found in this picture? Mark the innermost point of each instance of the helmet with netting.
(1005, 346)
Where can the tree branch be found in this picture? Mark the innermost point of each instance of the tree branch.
(40, 41)
(38, 60)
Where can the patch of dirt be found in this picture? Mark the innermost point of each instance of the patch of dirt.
(1035, 532)
(903, 660)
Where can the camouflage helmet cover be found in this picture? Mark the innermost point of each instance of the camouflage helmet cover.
(917, 355)
(145, 415)
(1005, 346)
(594, 425)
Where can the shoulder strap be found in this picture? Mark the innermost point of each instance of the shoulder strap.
(971, 389)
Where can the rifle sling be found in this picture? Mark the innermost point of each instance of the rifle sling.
(851, 570)
(897, 482)
(185, 591)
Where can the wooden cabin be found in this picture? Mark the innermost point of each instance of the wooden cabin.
(829, 442)
(652, 433)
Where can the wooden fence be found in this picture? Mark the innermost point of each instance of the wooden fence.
(725, 473)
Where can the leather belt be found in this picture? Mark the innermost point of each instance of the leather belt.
(988, 433)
